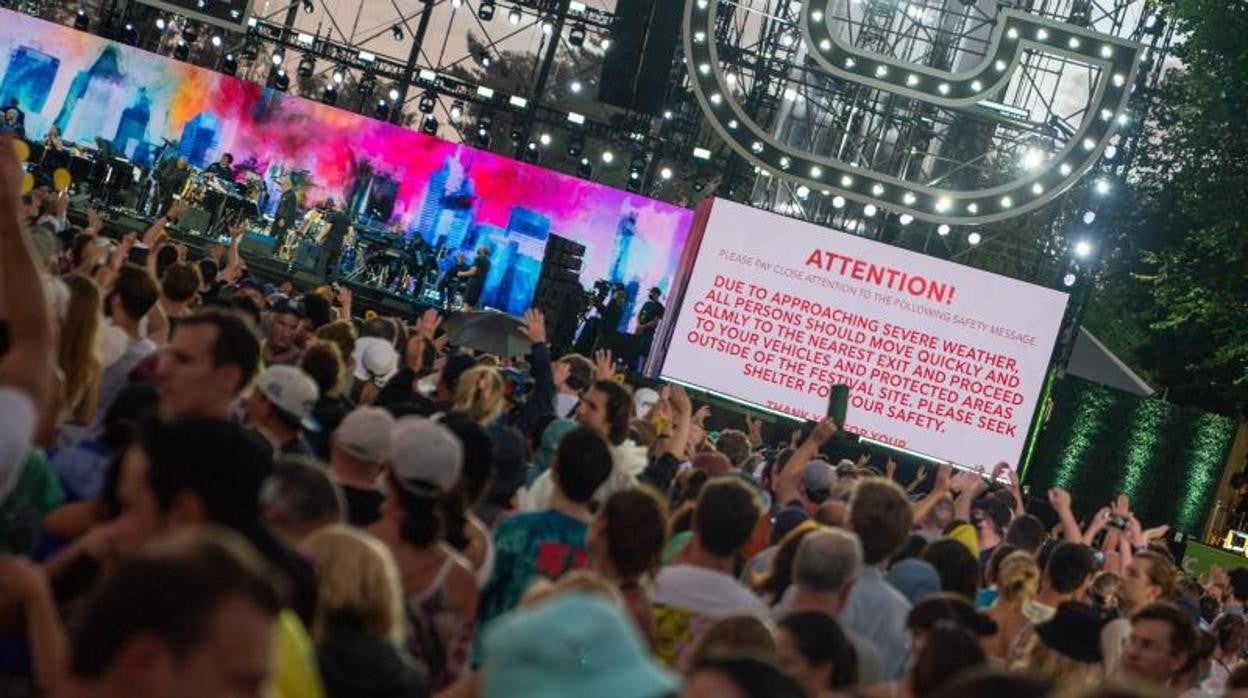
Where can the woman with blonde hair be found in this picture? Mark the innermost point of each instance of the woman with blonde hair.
(480, 395)
(78, 355)
(359, 628)
(1066, 649)
(1018, 581)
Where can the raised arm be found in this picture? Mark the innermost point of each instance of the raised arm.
(786, 483)
(1060, 499)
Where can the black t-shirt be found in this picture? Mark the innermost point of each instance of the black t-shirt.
(363, 506)
(338, 224)
(651, 310)
(477, 281)
(611, 317)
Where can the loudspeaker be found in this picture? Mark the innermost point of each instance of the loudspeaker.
(643, 49)
(195, 219)
(559, 293)
(258, 245)
(306, 255)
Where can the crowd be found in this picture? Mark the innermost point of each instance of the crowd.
(213, 486)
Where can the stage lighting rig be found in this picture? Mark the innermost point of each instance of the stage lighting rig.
(514, 16)
(181, 51)
(457, 110)
(229, 64)
(308, 7)
(367, 84)
(397, 32)
(585, 169)
(576, 35)
(330, 95)
(282, 80)
(307, 66)
(382, 110)
(82, 22)
(485, 10)
(430, 125)
(278, 57)
(428, 100)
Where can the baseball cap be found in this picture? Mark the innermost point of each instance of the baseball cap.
(375, 360)
(819, 478)
(283, 304)
(292, 392)
(643, 400)
(365, 434)
(1074, 631)
(916, 579)
(427, 457)
(587, 648)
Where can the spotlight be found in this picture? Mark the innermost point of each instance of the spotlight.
(161, 24)
(1069, 280)
(382, 109)
(457, 4)
(637, 166)
(516, 135)
(514, 16)
(548, 27)
(1089, 217)
(82, 22)
(485, 59)
(308, 6)
(665, 173)
(484, 126)
(869, 210)
(181, 50)
(397, 32)
(1032, 159)
(943, 230)
(1082, 249)
(250, 51)
(576, 146)
(216, 41)
(367, 84)
(427, 102)
(330, 95)
(282, 81)
(338, 75)
(279, 57)
(485, 10)
(905, 219)
(585, 169)
(1103, 186)
(430, 125)
(608, 157)
(606, 43)
(394, 94)
(974, 238)
(307, 66)
(229, 66)
(576, 87)
(457, 110)
(576, 35)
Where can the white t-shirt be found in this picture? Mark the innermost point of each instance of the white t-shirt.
(17, 432)
(705, 592)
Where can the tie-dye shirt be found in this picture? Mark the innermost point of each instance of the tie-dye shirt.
(539, 545)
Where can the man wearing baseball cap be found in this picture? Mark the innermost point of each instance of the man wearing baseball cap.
(359, 452)
(280, 408)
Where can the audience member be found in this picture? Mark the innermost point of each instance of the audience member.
(280, 410)
(360, 451)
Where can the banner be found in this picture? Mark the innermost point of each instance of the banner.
(941, 359)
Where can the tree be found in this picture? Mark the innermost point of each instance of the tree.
(1175, 302)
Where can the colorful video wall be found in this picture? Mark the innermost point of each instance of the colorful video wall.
(458, 198)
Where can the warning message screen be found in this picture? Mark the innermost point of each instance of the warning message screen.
(940, 359)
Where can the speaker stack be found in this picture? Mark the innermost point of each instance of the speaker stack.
(559, 292)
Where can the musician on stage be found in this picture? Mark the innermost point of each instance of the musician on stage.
(331, 250)
(452, 279)
(11, 125)
(172, 177)
(612, 314)
(417, 260)
(287, 211)
(475, 278)
(648, 320)
(52, 141)
(223, 168)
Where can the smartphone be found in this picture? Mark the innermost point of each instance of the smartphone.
(138, 255)
(838, 403)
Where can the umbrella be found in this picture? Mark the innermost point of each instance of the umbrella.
(488, 331)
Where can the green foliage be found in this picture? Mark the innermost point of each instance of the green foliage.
(1175, 298)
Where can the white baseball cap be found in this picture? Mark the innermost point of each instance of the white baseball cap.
(643, 400)
(427, 457)
(292, 392)
(365, 434)
(375, 360)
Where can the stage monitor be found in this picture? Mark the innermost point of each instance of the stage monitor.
(228, 14)
(941, 360)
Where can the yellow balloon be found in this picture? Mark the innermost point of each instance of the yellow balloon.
(28, 183)
(22, 150)
(61, 179)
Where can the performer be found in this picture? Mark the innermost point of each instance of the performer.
(223, 168)
(417, 260)
(453, 279)
(287, 211)
(331, 250)
(648, 319)
(172, 180)
(52, 141)
(612, 315)
(12, 125)
(475, 276)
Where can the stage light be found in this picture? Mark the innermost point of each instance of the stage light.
(544, 139)
(330, 95)
(905, 219)
(161, 24)
(382, 109)
(1103, 186)
(229, 66)
(82, 22)
(974, 238)
(181, 50)
(307, 66)
(427, 102)
(665, 173)
(338, 75)
(514, 16)
(131, 34)
(367, 84)
(1069, 280)
(608, 157)
(548, 27)
(943, 230)
(1111, 152)
(430, 125)
(838, 202)
(397, 32)
(575, 87)
(576, 35)
(457, 110)
(216, 41)
(189, 33)
(1032, 159)
(1089, 217)
(585, 169)
(485, 11)
(576, 146)
(308, 6)
(486, 60)
(516, 135)
(282, 81)
(869, 210)
(1082, 249)
(279, 57)
(457, 4)
(606, 43)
